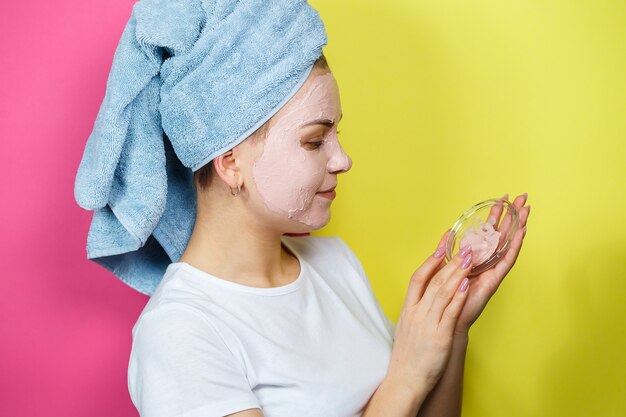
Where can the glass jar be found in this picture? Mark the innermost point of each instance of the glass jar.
(488, 227)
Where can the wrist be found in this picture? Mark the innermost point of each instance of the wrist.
(412, 393)
(460, 339)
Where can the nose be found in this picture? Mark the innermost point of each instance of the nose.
(339, 161)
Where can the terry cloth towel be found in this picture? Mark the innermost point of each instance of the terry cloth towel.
(190, 79)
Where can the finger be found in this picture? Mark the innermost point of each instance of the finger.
(439, 267)
(507, 222)
(443, 276)
(520, 200)
(492, 281)
(423, 274)
(523, 216)
(446, 292)
(453, 310)
(496, 211)
(524, 219)
(506, 263)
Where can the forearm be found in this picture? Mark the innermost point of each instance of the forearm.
(393, 398)
(446, 397)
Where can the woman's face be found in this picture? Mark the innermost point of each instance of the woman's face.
(301, 154)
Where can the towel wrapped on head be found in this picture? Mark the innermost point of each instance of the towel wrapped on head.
(190, 80)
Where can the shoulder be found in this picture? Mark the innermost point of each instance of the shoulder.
(179, 364)
(177, 333)
(164, 320)
(183, 306)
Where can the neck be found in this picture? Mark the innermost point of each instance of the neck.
(228, 244)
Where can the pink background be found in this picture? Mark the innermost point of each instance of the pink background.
(65, 322)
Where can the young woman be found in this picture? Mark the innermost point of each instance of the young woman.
(251, 322)
(255, 317)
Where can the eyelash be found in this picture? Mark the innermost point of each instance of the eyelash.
(320, 143)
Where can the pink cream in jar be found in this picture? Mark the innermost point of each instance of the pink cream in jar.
(488, 227)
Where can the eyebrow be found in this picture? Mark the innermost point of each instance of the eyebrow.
(325, 122)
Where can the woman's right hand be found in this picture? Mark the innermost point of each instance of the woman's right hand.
(424, 332)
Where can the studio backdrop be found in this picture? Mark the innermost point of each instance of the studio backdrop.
(445, 104)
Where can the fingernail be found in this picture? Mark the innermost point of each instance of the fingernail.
(525, 194)
(464, 285)
(466, 261)
(439, 252)
(465, 250)
(505, 196)
(528, 208)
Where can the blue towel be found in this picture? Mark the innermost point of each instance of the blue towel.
(190, 80)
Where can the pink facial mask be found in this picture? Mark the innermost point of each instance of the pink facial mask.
(288, 174)
(483, 239)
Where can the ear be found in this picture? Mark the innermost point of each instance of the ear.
(225, 166)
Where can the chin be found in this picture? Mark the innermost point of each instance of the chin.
(305, 227)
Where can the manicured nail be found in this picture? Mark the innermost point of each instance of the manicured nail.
(466, 261)
(465, 250)
(505, 196)
(464, 285)
(439, 252)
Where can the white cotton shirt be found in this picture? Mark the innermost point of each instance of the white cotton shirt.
(317, 347)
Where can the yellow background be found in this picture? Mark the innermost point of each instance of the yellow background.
(448, 103)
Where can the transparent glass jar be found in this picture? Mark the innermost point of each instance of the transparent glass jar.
(481, 224)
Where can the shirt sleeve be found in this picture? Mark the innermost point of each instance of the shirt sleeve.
(180, 366)
(356, 263)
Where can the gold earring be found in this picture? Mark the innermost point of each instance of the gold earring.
(238, 190)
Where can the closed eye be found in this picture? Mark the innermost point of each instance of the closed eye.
(317, 144)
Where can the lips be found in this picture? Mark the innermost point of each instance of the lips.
(327, 194)
(327, 191)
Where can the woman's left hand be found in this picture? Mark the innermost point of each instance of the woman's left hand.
(483, 286)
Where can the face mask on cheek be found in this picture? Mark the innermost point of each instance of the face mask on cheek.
(287, 174)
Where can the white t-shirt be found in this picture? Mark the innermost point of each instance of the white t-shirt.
(207, 347)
